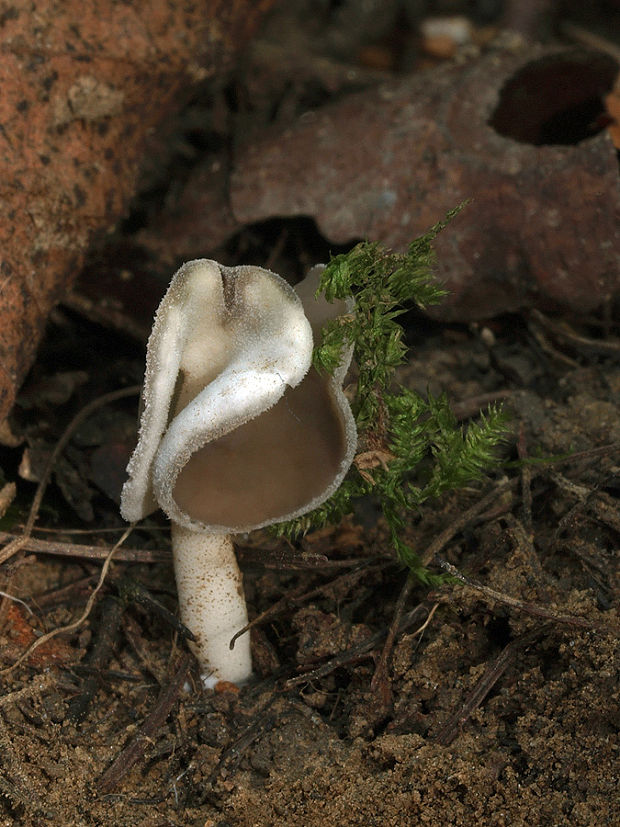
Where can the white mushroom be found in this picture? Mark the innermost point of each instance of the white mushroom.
(237, 432)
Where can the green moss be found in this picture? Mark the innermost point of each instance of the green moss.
(398, 428)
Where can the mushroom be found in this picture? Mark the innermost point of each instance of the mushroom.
(237, 432)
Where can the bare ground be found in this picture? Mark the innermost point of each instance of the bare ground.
(499, 703)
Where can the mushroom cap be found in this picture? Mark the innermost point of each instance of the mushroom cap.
(238, 431)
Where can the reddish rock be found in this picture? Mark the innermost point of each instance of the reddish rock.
(83, 85)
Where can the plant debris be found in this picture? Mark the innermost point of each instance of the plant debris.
(488, 697)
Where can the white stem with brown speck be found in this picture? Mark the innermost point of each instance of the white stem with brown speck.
(212, 603)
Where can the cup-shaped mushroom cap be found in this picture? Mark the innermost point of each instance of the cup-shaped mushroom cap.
(244, 433)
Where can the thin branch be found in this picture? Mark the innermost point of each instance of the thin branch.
(493, 673)
(470, 407)
(71, 627)
(465, 518)
(106, 632)
(15, 545)
(522, 605)
(582, 343)
(299, 596)
(12, 597)
(479, 507)
(283, 603)
(136, 748)
(131, 591)
(7, 495)
(594, 40)
(291, 560)
(94, 553)
(230, 757)
(267, 558)
(380, 683)
(363, 650)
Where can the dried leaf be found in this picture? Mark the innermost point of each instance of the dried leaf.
(512, 132)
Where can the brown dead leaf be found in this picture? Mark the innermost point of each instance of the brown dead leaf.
(374, 458)
(501, 131)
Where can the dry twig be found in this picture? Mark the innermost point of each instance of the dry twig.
(583, 344)
(17, 544)
(380, 683)
(136, 748)
(7, 495)
(101, 652)
(493, 673)
(298, 596)
(471, 407)
(464, 519)
(522, 605)
(230, 757)
(71, 627)
(94, 553)
(362, 650)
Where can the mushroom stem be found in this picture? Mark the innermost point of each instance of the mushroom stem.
(212, 603)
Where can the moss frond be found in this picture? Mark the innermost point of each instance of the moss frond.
(403, 429)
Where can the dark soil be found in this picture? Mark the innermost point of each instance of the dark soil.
(487, 713)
